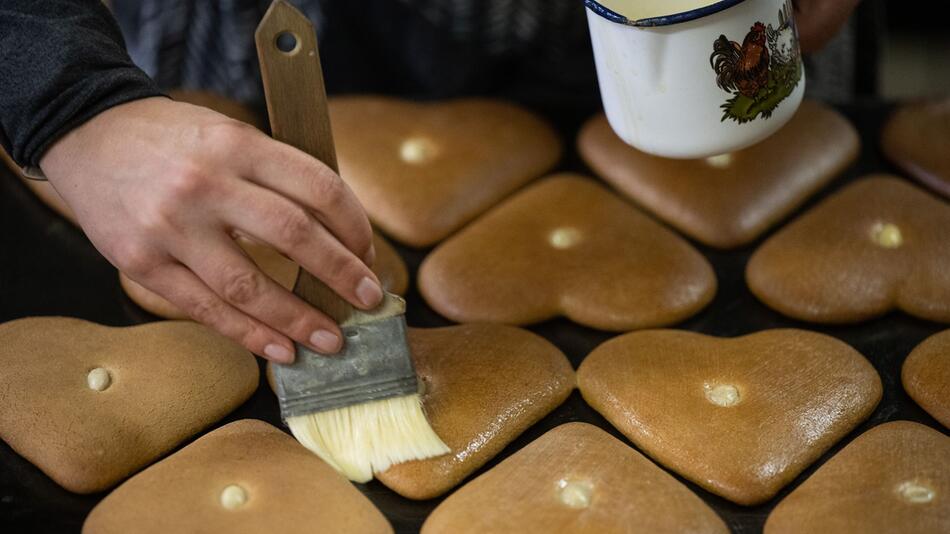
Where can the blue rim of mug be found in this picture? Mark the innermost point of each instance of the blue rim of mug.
(665, 20)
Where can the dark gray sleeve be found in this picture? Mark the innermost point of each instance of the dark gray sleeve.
(61, 63)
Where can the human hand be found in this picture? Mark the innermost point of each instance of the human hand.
(161, 186)
(820, 20)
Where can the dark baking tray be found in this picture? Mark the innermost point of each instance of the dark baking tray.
(47, 267)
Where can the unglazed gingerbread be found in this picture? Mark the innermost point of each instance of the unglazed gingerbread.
(916, 138)
(878, 244)
(388, 266)
(574, 479)
(728, 200)
(246, 476)
(567, 246)
(422, 170)
(741, 416)
(926, 376)
(893, 478)
(484, 385)
(90, 404)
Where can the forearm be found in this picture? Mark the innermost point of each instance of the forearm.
(61, 63)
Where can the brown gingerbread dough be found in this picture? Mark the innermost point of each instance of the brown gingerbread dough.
(388, 266)
(878, 244)
(926, 376)
(567, 246)
(893, 478)
(484, 385)
(246, 476)
(574, 479)
(916, 138)
(422, 170)
(741, 416)
(90, 404)
(728, 200)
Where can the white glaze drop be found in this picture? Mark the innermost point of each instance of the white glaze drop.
(720, 161)
(724, 395)
(417, 150)
(233, 496)
(98, 379)
(575, 494)
(886, 235)
(564, 237)
(915, 492)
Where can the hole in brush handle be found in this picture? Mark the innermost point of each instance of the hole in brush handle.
(287, 42)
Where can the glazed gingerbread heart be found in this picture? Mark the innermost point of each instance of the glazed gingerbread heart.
(422, 170)
(926, 376)
(893, 478)
(484, 385)
(389, 268)
(916, 138)
(740, 417)
(728, 200)
(246, 476)
(574, 479)
(567, 246)
(876, 245)
(90, 404)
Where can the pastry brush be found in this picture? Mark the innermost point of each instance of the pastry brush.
(360, 410)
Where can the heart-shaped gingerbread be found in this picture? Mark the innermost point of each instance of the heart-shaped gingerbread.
(728, 200)
(741, 417)
(876, 245)
(246, 476)
(893, 478)
(389, 267)
(916, 138)
(90, 404)
(567, 246)
(926, 376)
(422, 170)
(484, 385)
(575, 478)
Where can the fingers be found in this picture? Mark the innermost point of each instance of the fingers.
(308, 182)
(184, 289)
(273, 219)
(234, 278)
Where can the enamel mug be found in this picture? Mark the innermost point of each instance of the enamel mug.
(710, 78)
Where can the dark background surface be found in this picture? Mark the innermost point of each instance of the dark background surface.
(47, 267)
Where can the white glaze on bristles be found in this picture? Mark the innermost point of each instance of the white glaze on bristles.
(367, 438)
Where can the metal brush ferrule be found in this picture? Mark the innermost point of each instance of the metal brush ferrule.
(374, 364)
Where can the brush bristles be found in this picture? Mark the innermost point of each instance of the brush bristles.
(367, 438)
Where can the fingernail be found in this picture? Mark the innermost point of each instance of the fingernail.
(325, 341)
(279, 353)
(368, 292)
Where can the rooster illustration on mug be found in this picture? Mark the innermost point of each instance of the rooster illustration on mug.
(760, 72)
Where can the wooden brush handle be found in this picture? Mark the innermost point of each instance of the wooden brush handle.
(297, 106)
